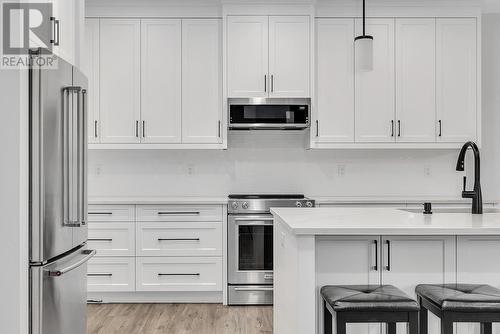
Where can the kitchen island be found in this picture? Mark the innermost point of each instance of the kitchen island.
(327, 246)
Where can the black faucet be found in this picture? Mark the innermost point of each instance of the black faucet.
(477, 197)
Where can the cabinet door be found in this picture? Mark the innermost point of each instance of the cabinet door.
(456, 57)
(375, 89)
(90, 67)
(477, 263)
(201, 81)
(289, 56)
(335, 80)
(412, 260)
(161, 81)
(64, 12)
(415, 80)
(247, 56)
(119, 107)
(348, 260)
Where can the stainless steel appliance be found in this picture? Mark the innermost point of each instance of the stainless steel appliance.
(250, 245)
(58, 199)
(269, 113)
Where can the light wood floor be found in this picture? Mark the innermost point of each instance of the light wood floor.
(179, 319)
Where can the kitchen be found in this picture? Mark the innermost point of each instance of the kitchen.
(205, 117)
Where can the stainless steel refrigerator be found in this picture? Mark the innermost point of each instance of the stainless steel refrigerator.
(58, 199)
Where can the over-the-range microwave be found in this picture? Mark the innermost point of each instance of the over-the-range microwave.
(269, 113)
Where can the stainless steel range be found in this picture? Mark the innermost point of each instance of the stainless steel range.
(250, 245)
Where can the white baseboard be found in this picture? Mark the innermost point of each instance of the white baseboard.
(155, 297)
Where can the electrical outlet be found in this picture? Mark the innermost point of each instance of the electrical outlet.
(341, 170)
(98, 170)
(427, 170)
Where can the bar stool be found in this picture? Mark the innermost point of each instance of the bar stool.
(459, 303)
(368, 303)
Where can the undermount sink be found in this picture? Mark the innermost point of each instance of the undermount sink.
(452, 210)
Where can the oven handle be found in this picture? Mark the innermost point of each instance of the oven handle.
(252, 219)
(254, 289)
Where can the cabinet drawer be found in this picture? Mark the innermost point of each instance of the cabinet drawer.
(179, 213)
(179, 239)
(111, 274)
(179, 274)
(107, 213)
(112, 239)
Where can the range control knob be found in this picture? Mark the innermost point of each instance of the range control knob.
(298, 204)
(234, 205)
(309, 204)
(244, 205)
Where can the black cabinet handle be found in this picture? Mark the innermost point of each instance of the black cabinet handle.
(375, 267)
(100, 213)
(100, 239)
(392, 128)
(317, 128)
(388, 266)
(440, 128)
(265, 83)
(178, 239)
(100, 274)
(195, 274)
(399, 128)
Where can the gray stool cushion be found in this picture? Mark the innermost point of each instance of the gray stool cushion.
(361, 298)
(462, 297)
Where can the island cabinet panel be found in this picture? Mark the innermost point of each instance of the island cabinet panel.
(477, 263)
(348, 260)
(411, 260)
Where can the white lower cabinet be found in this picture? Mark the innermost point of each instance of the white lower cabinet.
(179, 274)
(477, 263)
(111, 274)
(179, 239)
(412, 260)
(156, 248)
(402, 261)
(112, 239)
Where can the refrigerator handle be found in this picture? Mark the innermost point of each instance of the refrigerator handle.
(71, 157)
(85, 159)
(59, 272)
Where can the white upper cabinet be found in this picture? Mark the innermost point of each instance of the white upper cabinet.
(456, 79)
(268, 56)
(201, 81)
(90, 67)
(247, 56)
(160, 81)
(415, 80)
(334, 81)
(120, 80)
(375, 89)
(64, 30)
(289, 53)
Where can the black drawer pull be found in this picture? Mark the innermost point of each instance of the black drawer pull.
(178, 239)
(100, 274)
(178, 213)
(100, 239)
(101, 213)
(197, 274)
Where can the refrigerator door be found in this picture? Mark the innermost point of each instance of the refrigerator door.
(80, 85)
(59, 295)
(56, 162)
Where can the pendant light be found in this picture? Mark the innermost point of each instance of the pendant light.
(364, 48)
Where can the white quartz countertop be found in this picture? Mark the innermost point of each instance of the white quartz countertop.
(384, 221)
(158, 200)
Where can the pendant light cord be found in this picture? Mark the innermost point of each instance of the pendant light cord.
(364, 18)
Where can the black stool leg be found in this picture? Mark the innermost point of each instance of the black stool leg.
(423, 327)
(486, 328)
(341, 324)
(391, 328)
(446, 326)
(327, 320)
(413, 323)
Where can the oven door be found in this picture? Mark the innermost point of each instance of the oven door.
(250, 249)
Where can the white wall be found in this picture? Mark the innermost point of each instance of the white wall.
(260, 162)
